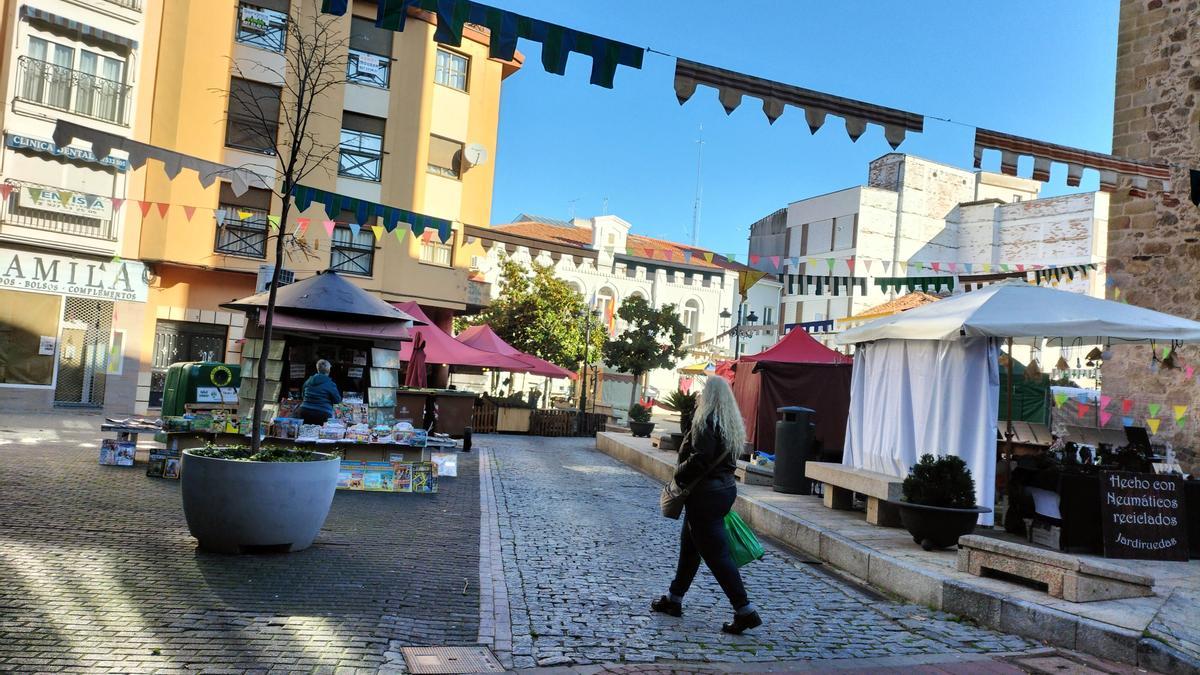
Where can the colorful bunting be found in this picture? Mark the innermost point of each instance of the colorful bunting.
(302, 225)
(188, 212)
(377, 230)
(1127, 421)
(1180, 412)
(708, 256)
(1082, 409)
(1060, 399)
(1104, 401)
(1104, 418)
(400, 232)
(1126, 406)
(117, 203)
(329, 226)
(1153, 424)
(162, 209)
(364, 211)
(1154, 408)
(5, 190)
(220, 215)
(354, 228)
(273, 220)
(145, 207)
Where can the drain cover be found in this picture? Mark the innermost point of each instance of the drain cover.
(450, 660)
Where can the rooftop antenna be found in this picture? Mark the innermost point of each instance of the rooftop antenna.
(699, 189)
(604, 209)
(572, 203)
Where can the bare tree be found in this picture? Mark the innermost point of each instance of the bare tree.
(279, 121)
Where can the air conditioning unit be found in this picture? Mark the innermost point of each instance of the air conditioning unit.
(265, 272)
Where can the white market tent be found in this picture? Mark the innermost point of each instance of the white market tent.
(927, 380)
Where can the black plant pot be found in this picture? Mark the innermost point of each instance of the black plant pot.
(935, 527)
(642, 429)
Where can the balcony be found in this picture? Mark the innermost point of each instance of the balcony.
(72, 91)
(51, 209)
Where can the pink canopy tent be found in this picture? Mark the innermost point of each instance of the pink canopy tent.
(484, 338)
(440, 348)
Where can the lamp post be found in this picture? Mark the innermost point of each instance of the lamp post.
(751, 318)
(587, 342)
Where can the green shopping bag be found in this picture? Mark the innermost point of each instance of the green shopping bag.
(743, 545)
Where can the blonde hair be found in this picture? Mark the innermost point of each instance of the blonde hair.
(717, 400)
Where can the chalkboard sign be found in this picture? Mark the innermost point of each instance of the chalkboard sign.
(1144, 516)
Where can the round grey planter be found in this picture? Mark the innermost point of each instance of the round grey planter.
(239, 507)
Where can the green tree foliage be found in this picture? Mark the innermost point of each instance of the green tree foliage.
(541, 315)
(654, 339)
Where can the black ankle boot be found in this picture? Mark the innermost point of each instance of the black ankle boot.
(742, 622)
(665, 605)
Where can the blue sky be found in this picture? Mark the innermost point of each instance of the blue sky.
(1039, 69)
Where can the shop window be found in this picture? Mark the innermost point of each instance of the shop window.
(180, 341)
(244, 232)
(360, 153)
(435, 252)
(253, 119)
(28, 337)
(451, 70)
(81, 81)
(263, 24)
(352, 253)
(370, 60)
(444, 156)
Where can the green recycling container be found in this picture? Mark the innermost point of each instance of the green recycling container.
(184, 380)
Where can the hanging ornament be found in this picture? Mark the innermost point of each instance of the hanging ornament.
(1033, 372)
(1062, 364)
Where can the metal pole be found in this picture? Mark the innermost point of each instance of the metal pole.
(1008, 433)
(587, 339)
(737, 332)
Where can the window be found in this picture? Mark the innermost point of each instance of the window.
(370, 60)
(451, 70)
(353, 253)
(435, 252)
(253, 120)
(93, 87)
(1016, 197)
(444, 156)
(691, 320)
(176, 341)
(244, 231)
(26, 319)
(263, 24)
(360, 154)
(767, 318)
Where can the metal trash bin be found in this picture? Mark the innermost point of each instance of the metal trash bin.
(794, 436)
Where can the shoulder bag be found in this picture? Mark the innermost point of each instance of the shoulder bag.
(673, 497)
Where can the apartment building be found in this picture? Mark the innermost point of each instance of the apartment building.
(401, 121)
(602, 259)
(72, 292)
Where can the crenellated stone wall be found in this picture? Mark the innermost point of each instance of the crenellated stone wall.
(1154, 242)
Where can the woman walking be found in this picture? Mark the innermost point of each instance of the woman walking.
(707, 460)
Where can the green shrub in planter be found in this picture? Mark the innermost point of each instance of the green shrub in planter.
(940, 481)
(683, 403)
(639, 413)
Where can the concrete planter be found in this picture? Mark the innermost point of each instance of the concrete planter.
(642, 429)
(237, 507)
(936, 527)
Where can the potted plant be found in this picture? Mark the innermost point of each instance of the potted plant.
(683, 403)
(939, 502)
(237, 500)
(639, 421)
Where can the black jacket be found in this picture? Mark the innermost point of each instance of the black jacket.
(698, 453)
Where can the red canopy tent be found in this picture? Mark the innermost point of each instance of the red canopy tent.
(441, 348)
(484, 338)
(797, 371)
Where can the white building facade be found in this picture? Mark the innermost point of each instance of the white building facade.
(70, 307)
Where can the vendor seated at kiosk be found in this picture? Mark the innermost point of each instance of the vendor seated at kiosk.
(320, 394)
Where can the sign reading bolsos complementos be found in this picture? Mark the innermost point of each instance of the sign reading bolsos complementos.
(43, 273)
(45, 147)
(1143, 516)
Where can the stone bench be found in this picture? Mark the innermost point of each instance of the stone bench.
(1065, 576)
(749, 474)
(841, 482)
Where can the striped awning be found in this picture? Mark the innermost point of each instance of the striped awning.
(82, 30)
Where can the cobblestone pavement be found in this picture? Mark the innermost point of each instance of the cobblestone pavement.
(585, 550)
(100, 573)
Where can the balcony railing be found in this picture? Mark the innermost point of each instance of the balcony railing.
(135, 5)
(42, 207)
(74, 91)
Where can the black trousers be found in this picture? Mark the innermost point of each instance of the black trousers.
(312, 416)
(703, 538)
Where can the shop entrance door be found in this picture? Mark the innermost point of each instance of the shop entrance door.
(83, 352)
(178, 341)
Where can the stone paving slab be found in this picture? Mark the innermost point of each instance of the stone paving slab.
(1140, 631)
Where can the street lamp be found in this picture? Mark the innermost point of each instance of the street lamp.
(751, 319)
(587, 315)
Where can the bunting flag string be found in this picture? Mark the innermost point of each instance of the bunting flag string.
(365, 211)
(925, 284)
(732, 86)
(557, 42)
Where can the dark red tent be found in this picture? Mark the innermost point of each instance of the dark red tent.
(797, 371)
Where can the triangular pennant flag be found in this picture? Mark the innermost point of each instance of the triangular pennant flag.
(220, 215)
(1081, 409)
(866, 265)
(1180, 412)
(5, 190)
(901, 267)
(775, 261)
(400, 232)
(162, 209)
(1104, 401)
(243, 214)
(355, 228)
(145, 207)
(273, 220)
(1166, 352)
(687, 257)
(1126, 406)
(850, 265)
(377, 230)
(427, 236)
(329, 225)
(34, 193)
(1154, 408)
(952, 267)
(1153, 424)
(1188, 371)
(969, 267)
(1020, 268)
(986, 267)
(302, 225)
(188, 212)
(754, 259)
(887, 264)
(1127, 421)
(1104, 418)
(937, 266)
(1004, 267)
(1059, 400)
(708, 256)
(117, 203)
(831, 262)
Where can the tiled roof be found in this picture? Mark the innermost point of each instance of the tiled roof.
(901, 304)
(645, 248)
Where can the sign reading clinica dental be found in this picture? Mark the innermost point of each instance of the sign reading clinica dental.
(1144, 516)
(44, 147)
(42, 273)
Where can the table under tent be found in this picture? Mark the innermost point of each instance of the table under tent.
(928, 381)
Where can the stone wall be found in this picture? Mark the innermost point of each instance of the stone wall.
(1154, 242)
